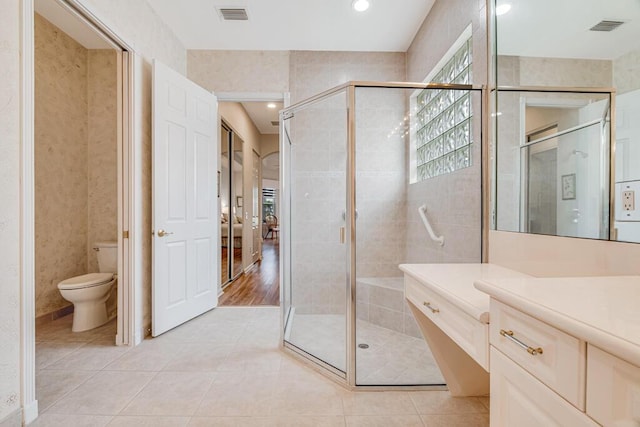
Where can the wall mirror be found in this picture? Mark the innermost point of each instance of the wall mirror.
(567, 118)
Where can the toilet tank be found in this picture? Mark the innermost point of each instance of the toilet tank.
(107, 256)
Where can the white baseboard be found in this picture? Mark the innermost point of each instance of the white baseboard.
(30, 412)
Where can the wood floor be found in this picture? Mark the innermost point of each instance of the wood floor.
(261, 284)
(237, 262)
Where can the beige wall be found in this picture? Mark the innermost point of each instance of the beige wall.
(102, 154)
(625, 72)
(269, 144)
(445, 22)
(9, 210)
(138, 25)
(565, 72)
(529, 71)
(551, 256)
(61, 136)
(313, 72)
(239, 71)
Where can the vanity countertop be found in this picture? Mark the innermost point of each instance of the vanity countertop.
(455, 283)
(604, 311)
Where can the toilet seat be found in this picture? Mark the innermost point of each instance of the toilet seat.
(85, 281)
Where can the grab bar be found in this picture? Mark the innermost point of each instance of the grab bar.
(423, 210)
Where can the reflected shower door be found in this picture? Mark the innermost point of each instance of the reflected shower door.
(315, 191)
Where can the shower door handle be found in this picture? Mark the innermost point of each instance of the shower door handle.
(342, 235)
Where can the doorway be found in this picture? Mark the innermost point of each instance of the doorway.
(256, 124)
(101, 151)
(78, 155)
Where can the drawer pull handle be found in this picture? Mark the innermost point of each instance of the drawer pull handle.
(433, 309)
(509, 335)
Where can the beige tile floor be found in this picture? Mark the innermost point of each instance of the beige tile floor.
(392, 358)
(224, 368)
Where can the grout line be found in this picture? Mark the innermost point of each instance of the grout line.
(126, 405)
(67, 393)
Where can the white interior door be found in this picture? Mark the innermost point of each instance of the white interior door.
(185, 217)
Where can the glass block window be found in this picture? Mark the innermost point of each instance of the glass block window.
(443, 139)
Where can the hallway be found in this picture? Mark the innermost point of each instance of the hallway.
(261, 284)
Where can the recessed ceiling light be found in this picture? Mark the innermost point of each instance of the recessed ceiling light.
(360, 5)
(271, 105)
(502, 9)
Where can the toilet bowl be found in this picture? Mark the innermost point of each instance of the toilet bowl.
(89, 293)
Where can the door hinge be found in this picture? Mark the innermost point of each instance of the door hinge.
(125, 234)
(287, 115)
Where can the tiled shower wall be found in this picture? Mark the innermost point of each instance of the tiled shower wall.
(381, 181)
(454, 201)
(75, 140)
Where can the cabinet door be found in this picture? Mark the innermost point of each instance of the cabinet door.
(519, 399)
(613, 389)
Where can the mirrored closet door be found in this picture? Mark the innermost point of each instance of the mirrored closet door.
(231, 204)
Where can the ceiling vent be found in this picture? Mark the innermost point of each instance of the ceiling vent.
(233, 14)
(606, 25)
(275, 123)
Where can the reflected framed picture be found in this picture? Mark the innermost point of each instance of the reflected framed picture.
(239, 201)
(569, 186)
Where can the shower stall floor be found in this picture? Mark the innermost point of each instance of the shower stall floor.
(391, 358)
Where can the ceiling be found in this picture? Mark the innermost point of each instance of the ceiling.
(53, 12)
(387, 26)
(262, 115)
(560, 29)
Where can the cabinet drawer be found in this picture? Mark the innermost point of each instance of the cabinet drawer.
(613, 389)
(518, 399)
(560, 365)
(471, 335)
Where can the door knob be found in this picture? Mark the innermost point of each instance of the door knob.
(162, 233)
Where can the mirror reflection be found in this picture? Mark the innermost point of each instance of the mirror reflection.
(231, 205)
(554, 135)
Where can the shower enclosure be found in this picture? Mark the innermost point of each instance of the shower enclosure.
(356, 163)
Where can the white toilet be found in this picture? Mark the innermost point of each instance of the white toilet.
(89, 292)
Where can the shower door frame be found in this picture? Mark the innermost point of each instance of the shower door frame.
(348, 378)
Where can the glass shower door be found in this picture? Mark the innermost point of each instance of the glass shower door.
(315, 266)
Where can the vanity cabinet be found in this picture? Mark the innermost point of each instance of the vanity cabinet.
(469, 333)
(542, 376)
(537, 372)
(453, 316)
